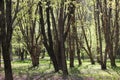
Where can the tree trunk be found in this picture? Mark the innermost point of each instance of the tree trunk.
(35, 54)
(56, 41)
(102, 58)
(35, 60)
(71, 48)
(108, 32)
(22, 55)
(0, 37)
(10, 51)
(6, 37)
(59, 57)
(49, 47)
(103, 64)
(96, 19)
(0, 53)
(116, 24)
(61, 39)
(7, 64)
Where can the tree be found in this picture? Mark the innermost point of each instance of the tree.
(47, 46)
(103, 57)
(116, 25)
(0, 46)
(62, 38)
(30, 32)
(0, 52)
(82, 18)
(110, 27)
(6, 34)
(54, 43)
(72, 33)
(107, 26)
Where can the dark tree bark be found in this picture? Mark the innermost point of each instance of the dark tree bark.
(49, 30)
(111, 53)
(108, 32)
(35, 53)
(71, 48)
(61, 39)
(6, 37)
(0, 51)
(10, 51)
(102, 58)
(96, 15)
(116, 25)
(56, 40)
(22, 55)
(72, 34)
(47, 46)
(0, 41)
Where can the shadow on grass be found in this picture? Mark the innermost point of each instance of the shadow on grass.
(112, 70)
(75, 74)
(74, 70)
(117, 70)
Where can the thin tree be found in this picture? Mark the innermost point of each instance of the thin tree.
(81, 17)
(103, 58)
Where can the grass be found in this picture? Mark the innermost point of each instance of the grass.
(94, 71)
(86, 70)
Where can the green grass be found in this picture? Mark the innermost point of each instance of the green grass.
(94, 71)
(86, 70)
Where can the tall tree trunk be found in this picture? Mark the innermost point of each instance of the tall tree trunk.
(56, 40)
(0, 39)
(116, 25)
(96, 15)
(108, 33)
(6, 37)
(49, 30)
(112, 58)
(102, 58)
(61, 39)
(48, 47)
(71, 17)
(0, 52)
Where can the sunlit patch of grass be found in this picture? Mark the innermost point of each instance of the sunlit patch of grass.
(94, 71)
(21, 67)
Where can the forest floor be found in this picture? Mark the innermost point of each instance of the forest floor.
(45, 71)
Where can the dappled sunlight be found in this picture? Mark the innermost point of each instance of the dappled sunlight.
(59, 40)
